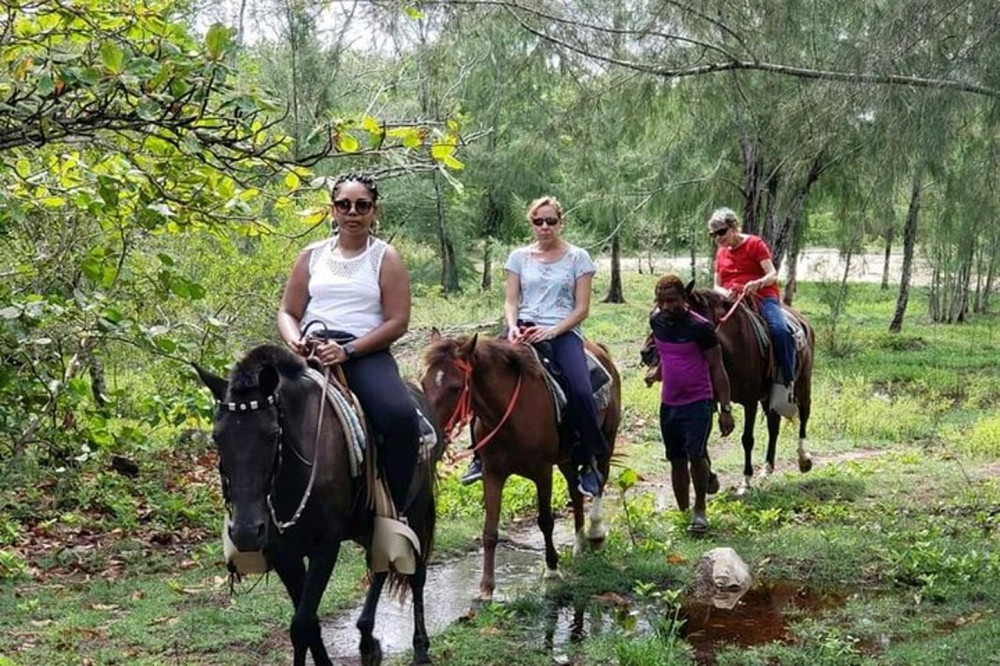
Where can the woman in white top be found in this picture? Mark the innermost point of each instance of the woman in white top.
(352, 291)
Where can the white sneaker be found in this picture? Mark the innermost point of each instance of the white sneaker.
(782, 400)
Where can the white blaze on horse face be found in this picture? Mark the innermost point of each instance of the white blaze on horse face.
(439, 378)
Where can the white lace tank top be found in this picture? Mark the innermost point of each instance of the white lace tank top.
(344, 294)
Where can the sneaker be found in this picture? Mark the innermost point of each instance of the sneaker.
(589, 484)
(473, 473)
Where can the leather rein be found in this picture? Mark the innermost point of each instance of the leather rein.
(463, 412)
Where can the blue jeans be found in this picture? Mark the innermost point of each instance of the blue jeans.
(781, 337)
(581, 408)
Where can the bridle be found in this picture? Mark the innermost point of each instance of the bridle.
(273, 401)
(463, 412)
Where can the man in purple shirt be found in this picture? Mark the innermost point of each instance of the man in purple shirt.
(693, 380)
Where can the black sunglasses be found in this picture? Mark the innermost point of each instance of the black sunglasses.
(550, 221)
(363, 206)
(719, 233)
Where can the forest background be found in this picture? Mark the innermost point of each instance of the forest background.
(163, 163)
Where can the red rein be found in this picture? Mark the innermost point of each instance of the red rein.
(463, 412)
(731, 310)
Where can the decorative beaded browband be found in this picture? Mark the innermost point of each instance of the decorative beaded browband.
(251, 406)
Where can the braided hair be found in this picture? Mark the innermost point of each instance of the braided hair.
(356, 177)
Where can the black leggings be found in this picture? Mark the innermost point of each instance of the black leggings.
(392, 416)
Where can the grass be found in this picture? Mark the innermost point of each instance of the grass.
(899, 517)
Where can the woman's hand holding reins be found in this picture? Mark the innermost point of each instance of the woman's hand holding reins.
(329, 352)
(300, 346)
(536, 334)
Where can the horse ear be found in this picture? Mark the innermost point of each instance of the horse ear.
(435, 334)
(216, 384)
(689, 287)
(470, 346)
(267, 380)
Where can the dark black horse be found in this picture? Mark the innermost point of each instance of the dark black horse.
(268, 439)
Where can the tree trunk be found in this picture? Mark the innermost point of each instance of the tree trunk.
(615, 292)
(791, 280)
(909, 242)
(887, 234)
(752, 169)
(98, 385)
(491, 222)
(785, 235)
(449, 271)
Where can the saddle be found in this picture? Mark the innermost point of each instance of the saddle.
(600, 378)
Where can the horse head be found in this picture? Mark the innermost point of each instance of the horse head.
(248, 436)
(445, 382)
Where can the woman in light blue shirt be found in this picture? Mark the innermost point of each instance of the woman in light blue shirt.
(547, 296)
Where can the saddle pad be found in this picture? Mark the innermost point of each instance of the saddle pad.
(350, 415)
(796, 328)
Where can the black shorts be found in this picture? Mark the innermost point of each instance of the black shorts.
(685, 429)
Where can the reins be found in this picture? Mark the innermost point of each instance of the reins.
(731, 310)
(463, 412)
(284, 525)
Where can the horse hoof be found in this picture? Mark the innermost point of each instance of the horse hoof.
(552, 574)
(374, 656)
(766, 471)
(743, 490)
(805, 464)
(596, 543)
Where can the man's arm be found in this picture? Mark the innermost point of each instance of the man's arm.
(720, 386)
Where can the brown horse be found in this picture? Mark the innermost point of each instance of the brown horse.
(750, 374)
(287, 484)
(513, 407)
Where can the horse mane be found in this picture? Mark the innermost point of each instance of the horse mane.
(487, 351)
(501, 352)
(245, 374)
(708, 303)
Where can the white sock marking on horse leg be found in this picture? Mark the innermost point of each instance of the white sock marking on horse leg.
(597, 531)
(744, 487)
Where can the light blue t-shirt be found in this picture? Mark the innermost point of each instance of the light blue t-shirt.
(548, 291)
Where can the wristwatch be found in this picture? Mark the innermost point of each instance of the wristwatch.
(349, 351)
(726, 408)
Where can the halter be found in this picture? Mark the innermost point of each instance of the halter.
(272, 401)
(251, 406)
(464, 412)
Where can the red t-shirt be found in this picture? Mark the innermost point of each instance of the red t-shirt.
(741, 264)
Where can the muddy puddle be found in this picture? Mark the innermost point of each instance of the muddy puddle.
(449, 594)
(761, 616)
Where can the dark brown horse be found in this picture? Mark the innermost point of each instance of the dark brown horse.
(750, 375)
(525, 439)
(288, 487)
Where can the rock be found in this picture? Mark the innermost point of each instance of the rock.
(721, 578)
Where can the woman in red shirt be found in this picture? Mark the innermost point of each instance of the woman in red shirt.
(743, 265)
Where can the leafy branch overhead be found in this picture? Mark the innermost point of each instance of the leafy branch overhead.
(854, 42)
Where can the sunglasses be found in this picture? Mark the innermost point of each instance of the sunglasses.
(548, 221)
(363, 206)
(719, 233)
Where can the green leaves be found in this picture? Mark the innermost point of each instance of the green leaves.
(218, 41)
(112, 57)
